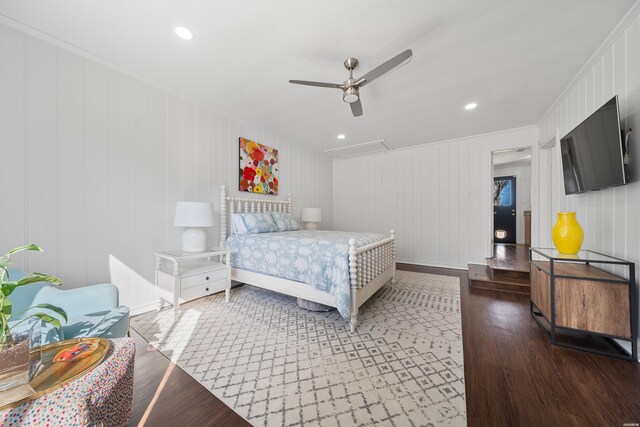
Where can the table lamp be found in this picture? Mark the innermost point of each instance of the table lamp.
(194, 216)
(311, 216)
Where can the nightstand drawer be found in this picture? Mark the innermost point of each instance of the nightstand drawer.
(202, 290)
(203, 278)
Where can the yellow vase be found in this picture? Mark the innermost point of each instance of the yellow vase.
(567, 233)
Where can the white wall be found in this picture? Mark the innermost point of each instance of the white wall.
(436, 196)
(522, 172)
(93, 162)
(610, 217)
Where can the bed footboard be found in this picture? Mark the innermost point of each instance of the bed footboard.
(370, 267)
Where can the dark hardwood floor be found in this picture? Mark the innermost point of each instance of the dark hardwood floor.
(165, 395)
(510, 257)
(506, 271)
(513, 376)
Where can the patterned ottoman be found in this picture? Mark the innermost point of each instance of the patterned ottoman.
(103, 397)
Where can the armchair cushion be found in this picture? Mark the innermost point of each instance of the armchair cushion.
(91, 299)
(99, 324)
(113, 325)
(92, 311)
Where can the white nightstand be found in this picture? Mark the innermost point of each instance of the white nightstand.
(185, 276)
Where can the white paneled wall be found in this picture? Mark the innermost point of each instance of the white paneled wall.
(610, 217)
(93, 162)
(436, 196)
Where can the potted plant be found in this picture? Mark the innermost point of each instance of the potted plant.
(19, 337)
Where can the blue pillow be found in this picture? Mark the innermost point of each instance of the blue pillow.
(259, 222)
(285, 222)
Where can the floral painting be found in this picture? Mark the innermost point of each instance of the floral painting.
(258, 168)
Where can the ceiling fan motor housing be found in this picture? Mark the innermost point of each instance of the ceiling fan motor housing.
(350, 94)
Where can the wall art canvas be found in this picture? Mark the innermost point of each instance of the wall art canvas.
(258, 168)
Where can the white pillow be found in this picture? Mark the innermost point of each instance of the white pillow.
(258, 222)
(237, 224)
(285, 221)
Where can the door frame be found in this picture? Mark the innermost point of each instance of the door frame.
(549, 163)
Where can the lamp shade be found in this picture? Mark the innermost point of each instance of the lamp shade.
(194, 214)
(311, 215)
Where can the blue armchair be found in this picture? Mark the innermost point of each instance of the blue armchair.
(92, 311)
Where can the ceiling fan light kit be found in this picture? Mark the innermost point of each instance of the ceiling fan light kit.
(351, 87)
(351, 94)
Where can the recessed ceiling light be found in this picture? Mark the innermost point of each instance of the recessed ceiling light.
(184, 33)
(341, 136)
(470, 106)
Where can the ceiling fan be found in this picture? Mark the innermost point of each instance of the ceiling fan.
(351, 87)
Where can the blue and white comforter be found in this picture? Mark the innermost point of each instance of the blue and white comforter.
(317, 258)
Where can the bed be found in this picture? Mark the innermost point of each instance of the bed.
(337, 269)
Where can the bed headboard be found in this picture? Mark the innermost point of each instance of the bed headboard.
(230, 205)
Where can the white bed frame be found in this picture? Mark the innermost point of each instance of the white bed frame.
(370, 266)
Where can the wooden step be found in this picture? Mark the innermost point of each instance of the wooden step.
(500, 287)
(481, 276)
(521, 266)
(487, 274)
(510, 258)
(499, 270)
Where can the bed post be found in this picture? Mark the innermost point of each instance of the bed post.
(393, 258)
(223, 217)
(223, 239)
(289, 204)
(353, 275)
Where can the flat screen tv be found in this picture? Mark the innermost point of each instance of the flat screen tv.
(592, 153)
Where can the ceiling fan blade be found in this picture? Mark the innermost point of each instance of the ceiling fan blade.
(356, 108)
(398, 60)
(318, 84)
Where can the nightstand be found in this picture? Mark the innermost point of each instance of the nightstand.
(185, 276)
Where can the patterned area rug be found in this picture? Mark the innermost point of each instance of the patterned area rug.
(277, 364)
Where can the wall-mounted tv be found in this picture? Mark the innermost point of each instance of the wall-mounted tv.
(592, 153)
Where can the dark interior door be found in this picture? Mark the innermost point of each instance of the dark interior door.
(504, 209)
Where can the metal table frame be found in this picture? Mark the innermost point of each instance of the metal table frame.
(540, 318)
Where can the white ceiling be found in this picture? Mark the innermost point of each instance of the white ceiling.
(512, 57)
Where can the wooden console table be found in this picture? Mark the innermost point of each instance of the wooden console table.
(584, 307)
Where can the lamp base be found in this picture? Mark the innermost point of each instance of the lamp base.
(311, 225)
(194, 240)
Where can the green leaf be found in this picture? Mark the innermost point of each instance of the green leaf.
(30, 247)
(53, 308)
(46, 278)
(6, 307)
(8, 287)
(38, 277)
(47, 319)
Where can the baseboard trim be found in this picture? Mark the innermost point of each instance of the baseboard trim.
(478, 263)
(155, 305)
(144, 308)
(432, 264)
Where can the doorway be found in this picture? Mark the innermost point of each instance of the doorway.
(511, 196)
(504, 209)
